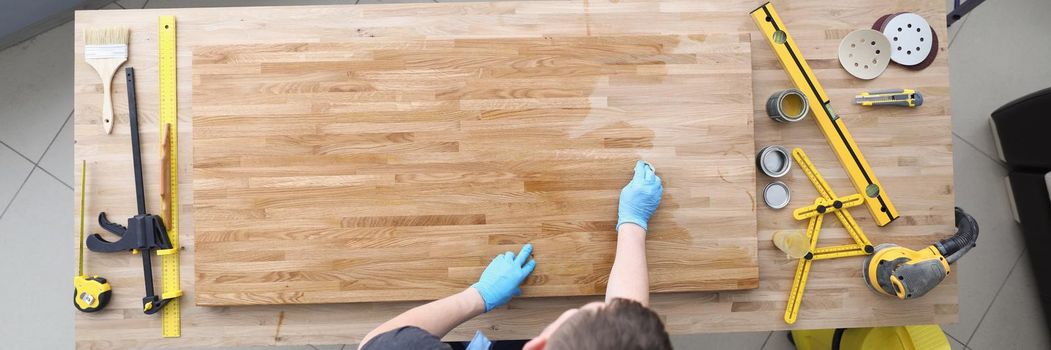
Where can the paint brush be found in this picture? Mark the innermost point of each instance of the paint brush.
(106, 49)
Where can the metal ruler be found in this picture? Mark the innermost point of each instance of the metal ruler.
(831, 125)
(169, 122)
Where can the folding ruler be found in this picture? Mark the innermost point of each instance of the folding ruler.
(831, 125)
(169, 122)
(826, 203)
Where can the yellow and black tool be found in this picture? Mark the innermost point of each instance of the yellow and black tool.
(90, 293)
(905, 273)
(826, 203)
(169, 122)
(831, 125)
(145, 233)
(892, 97)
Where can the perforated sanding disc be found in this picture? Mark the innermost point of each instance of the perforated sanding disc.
(911, 38)
(864, 53)
(930, 57)
(879, 22)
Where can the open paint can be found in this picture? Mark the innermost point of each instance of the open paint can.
(773, 161)
(787, 106)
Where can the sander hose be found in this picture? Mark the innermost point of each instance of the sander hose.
(966, 237)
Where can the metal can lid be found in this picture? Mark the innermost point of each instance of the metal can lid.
(774, 161)
(777, 195)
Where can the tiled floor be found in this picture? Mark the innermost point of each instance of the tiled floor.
(998, 303)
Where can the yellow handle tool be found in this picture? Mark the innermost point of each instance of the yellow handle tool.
(892, 97)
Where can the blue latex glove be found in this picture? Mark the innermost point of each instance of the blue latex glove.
(640, 197)
(499, 281)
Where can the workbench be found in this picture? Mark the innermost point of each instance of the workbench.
(909, 149)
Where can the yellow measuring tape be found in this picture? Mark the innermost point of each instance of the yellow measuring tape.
(831, 125)
(169, 121)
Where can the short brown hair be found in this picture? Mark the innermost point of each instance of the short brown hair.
(621, 324)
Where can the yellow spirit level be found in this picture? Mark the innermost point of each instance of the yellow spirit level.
(831, 125)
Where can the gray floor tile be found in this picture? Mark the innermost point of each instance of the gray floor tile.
(956, 344)
(981, 192)
(58, 160)
(779, 341)
(955, 29)
(37, 90)
(132, 4)
(1015, 320)
(33, 236)
(1000, 54)
(15, 169)
(716, 341)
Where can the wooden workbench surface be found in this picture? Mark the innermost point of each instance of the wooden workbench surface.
(391, 170)
(910, 150)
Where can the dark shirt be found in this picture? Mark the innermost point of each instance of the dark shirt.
(407, 337)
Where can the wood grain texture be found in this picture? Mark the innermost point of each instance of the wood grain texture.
(910, 150)
(385, 170)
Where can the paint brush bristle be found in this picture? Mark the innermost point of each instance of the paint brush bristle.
(106, 36)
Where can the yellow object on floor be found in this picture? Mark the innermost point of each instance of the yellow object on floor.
(923, 337)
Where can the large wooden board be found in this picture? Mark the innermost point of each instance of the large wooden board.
(385, 170)
(910, 150)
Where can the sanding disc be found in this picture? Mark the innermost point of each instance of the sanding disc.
(930, 57)
(864, 53)
(878, 26)
(911, 38)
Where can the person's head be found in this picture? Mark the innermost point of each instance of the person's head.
(619, 324)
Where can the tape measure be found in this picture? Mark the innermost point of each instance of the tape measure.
(169, 122)
(90, 293)
(835, 131)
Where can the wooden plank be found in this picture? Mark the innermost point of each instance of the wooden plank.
(476, 146)
(910, 149)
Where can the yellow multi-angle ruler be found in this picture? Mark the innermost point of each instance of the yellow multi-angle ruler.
(831, 125)
(826, 203)
(169, 122)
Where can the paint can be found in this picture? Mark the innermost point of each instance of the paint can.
(773, 161)
(787, 106)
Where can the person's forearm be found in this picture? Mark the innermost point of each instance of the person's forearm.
(630, 278)
(437, 317)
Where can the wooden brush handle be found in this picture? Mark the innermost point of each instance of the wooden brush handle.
(106, 68)
(107, 103)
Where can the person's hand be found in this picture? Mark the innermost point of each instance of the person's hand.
(499, 281)
(640, 197)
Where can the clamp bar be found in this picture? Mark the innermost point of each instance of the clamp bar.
(136, 153)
